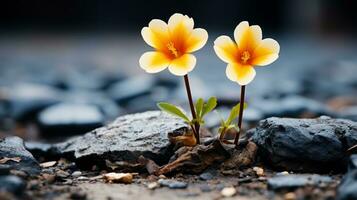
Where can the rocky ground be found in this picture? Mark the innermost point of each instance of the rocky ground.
(61, 137)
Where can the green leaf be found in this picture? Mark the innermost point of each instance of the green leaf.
(172, 109)
(235, 112)
(209, 106)
(199, 107)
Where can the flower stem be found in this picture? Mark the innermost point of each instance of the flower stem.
(240, 117)
(196, 130)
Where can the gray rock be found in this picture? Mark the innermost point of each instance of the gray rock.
(205, 188)
(172, 184)
(307, 145)
(141, 104)
(290, 106)
(347, 190)
(206, 176)
(295, 181)
(86, 78)
(100, 100)
(69, 119)
(126, 139)
(12, 184)
(128, 89)
(12, 147)
(337, 78)
(25, 100)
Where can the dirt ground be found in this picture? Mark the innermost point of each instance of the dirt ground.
(92, 186)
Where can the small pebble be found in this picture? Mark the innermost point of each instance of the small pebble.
(76, 173)
(282, 173)
(82, 178)
(153, 185)
(259, 171)
(228, 192)
(205, 188)
(162, 176)
(118, 177)
(48, 164)
(62, 174)
(206, 176)
(290, 196)
(172, 184)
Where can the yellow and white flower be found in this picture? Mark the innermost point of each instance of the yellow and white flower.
(248, 50)
(173, 43)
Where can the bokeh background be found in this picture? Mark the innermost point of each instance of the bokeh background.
(67, 67)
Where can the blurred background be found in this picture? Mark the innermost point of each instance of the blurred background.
(67, 67)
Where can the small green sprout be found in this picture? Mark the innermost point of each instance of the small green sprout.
(201, 109)
(228, 124)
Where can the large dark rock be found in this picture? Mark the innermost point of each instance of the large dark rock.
(13, 147)
(126, 139)
(288, 182)
(316, 145)
(69, 119)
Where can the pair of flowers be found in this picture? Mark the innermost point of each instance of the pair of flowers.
(176, 40)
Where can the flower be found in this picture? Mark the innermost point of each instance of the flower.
(248, 50)
(173, 42)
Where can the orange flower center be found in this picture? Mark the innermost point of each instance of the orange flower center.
(170, 46)
(244, 57)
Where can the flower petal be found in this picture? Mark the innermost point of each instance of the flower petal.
(247, 37)
(153, 62)
(226, 49)
(182, 65)
(157, 34)
(180, 28)
(240, 30)
(177, 20)
(197, 40)
(266, 53)
(242, 74)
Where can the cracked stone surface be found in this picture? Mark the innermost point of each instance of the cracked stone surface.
(126, 139)
(306, 144)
